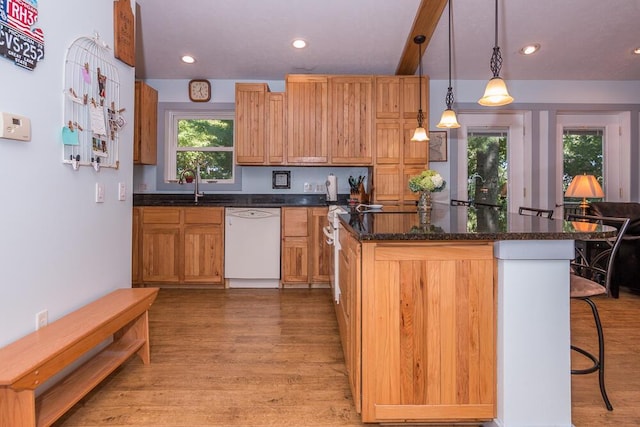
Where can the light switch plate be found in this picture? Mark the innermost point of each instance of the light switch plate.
(99, 192)
(122, 191)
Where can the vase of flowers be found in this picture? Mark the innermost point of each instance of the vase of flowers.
(429, 181)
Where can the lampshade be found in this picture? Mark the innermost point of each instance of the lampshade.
(448, 120)
(583, 186)
(584, 226)
(496, 94)
(420, 134)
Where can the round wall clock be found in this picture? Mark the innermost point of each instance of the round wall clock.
(199, 90)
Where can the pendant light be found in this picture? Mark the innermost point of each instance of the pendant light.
(420, 134)
(449, 119)
(496, 93)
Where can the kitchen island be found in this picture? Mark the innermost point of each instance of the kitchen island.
(461, 319)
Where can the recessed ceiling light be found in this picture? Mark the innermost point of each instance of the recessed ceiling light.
(636, 51)
(299, 43)
(530, 49)
(188, 59)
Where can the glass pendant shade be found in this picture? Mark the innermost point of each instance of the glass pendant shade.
(448, 120)
(420, 134)
(496, 94)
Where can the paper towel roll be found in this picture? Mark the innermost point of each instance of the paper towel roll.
(332, 188)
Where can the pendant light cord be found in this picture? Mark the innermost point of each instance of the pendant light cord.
(449, 96)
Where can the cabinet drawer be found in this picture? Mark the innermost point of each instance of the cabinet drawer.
(161, 216)
(203, 215)
(295, 222)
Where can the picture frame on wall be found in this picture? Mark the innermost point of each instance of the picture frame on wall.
(437, 146)
(281, 180)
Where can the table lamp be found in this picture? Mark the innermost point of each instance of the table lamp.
(584, 186)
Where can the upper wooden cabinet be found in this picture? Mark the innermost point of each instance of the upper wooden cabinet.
(276, 131)
(260, 131)
(250, 123)
(307, 114)
(397, 157)
(145, 130)
(350, 120)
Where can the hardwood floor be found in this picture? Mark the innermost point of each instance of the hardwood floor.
(273, 358)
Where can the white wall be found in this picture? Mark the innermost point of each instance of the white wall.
(59, 249)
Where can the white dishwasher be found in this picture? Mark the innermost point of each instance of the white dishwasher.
(252, 247)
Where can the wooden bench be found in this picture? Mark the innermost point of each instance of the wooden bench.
(30, 361)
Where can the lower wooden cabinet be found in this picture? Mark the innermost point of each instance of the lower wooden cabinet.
(180, 246)
(423, 345)
(305, 253)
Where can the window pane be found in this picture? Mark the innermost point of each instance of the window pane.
(487, 168)
(582, 153)
(205, 133)
(213, 165)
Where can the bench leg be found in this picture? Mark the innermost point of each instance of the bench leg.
(136, 330)
(17, 408)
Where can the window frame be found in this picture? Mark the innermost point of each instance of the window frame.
(166, 111)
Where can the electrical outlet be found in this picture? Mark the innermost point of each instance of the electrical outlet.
(320, 188)
(142, 187)
(308, 187)
(42, 319)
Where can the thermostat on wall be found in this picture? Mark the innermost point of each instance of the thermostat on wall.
(13, 126)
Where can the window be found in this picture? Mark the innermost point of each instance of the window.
(203, 138)
(582, 154)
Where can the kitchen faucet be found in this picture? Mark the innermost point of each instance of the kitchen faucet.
(196, 174)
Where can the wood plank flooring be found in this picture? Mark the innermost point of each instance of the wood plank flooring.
(273, 358)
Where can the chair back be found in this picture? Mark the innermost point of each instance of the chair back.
(596, 264)
(455, 202)
(547, 213)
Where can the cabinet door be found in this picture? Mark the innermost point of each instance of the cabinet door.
(388, 142)
(416, 153)
(295, 260)
(161, 253)
(276, 129)
(350, 120)
(250, 123)
(432, 353)
(348, 312)
(203, 249)
(321, 252)
(145, 129)
(388, 97)
(136, 275)
(307, 109)
(387, 185)
(410, 98)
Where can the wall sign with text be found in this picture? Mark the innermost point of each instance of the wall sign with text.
(19, 40)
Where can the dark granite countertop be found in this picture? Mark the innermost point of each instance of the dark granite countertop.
(463, 223)
(234, 200)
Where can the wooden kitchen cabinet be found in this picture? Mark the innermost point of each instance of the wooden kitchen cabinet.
(276, 132)
(320, 250)
(145, 129)
(161, 245)
(350, 120)
(250, 142)
(428, 332)
(396, 156)
(136, 270)
(348, 312)
(307, 115)
(295, 246)
(182, 246)
(305, 253)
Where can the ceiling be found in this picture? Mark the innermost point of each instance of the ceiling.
(251, 39)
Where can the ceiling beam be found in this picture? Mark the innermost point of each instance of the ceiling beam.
(425, 23)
